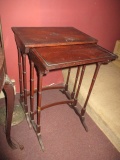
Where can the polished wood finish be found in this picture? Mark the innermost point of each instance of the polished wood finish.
(28, 37)
(50, 58)
(54, 48)
(58, 57)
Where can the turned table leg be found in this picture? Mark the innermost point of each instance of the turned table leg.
(39, 100)
(25, 89)
(76, 90)
(20, 76)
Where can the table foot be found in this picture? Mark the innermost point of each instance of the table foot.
(33, 125)
(82, 118)
(67, 94)
(40, 141)
(38, 135)
(28, 120)
(11, 144)
(26, 115)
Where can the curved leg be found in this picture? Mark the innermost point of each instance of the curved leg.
(9, 93)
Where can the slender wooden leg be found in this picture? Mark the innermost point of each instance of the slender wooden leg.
(9, 92)
(74, 104)
(20, 76)
(35, 126)
(67, 81)
(76, 98)
(65, 90)
(83, 110)
(25, 89)
(39, 99)
(32, 94)
(76, 79)
(79, 85)
(32, 90)
(90, 89)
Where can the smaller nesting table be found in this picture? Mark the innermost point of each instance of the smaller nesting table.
(46, 59)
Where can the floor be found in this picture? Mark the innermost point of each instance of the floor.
(63, 136)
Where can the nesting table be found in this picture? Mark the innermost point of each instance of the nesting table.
(55, 48)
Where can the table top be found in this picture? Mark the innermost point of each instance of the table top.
(50, 36)
(57, 57)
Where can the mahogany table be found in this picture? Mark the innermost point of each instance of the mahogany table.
(53, 48)
(29, 37)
